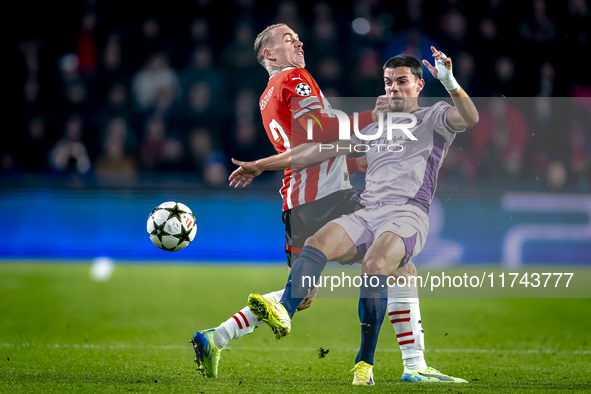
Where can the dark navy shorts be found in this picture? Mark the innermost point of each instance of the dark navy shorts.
(305, 220)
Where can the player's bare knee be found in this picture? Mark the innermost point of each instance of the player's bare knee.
(376, 266)
(315, 242)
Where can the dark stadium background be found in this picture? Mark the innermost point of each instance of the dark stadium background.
(112, 107)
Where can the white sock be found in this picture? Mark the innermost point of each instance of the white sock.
(405, 316)
(240, 324)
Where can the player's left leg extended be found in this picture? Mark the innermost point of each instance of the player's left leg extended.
(208, 344)
(329, 243)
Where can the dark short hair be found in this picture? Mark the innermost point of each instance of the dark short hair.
(416, 68)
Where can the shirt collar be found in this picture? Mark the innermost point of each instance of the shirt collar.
(285, 69)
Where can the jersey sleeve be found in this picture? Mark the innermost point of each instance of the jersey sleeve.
(439, 117)
(331, 131)
(304, 99)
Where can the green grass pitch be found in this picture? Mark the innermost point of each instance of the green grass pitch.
(62, 332)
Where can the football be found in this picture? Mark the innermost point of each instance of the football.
(172, 226)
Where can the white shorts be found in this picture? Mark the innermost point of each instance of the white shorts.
(407, 221)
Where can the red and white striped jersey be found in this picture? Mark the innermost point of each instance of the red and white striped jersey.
(291, 98)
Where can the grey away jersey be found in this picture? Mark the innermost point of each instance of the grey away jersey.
(407, 175)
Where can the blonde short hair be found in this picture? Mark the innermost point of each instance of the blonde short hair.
(262, 40)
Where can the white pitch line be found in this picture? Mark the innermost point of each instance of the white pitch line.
(284, 349)
(483, 351)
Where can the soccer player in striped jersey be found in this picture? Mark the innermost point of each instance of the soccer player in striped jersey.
(400, 184)
(312, 195)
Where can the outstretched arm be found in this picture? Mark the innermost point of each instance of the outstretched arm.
(307, 154)
(464, 114)
(248, 170)
(300, 156)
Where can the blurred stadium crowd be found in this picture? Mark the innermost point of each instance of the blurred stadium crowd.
(117, 93)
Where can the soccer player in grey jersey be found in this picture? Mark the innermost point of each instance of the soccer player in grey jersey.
(400, 184)
(403, 171)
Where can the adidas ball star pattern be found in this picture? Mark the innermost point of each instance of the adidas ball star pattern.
(172, 226)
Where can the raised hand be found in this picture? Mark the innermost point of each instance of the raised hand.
(442, 69)
(443, 61)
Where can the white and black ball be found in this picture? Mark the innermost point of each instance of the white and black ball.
(172, 226)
